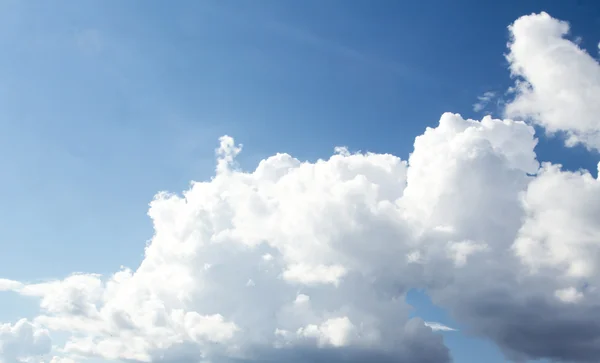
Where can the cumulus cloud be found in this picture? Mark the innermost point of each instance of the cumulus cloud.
(558, 83)
(311, 261)
(23, 342)
(337, 233)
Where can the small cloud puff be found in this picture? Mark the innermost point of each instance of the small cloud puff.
(483, 101)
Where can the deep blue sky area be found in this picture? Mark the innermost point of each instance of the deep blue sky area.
(105, 103)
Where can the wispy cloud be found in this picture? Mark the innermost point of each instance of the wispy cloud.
(308, 37)
(9, 285)
(361, 56)
(438, 326)
(311, 38)
(483, 101)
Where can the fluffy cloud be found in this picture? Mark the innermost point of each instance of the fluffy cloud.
(558, 83)
(23, 342)
(310, 261)
(336, 233)
(537, 296)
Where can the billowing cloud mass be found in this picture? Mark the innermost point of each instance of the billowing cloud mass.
(310, 261)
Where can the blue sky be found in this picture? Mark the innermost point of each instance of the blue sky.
(105, 103)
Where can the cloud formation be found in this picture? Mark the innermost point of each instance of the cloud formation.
(438, 326)
(483, 101)
(558, 83)
(310, 261)
(21, 341)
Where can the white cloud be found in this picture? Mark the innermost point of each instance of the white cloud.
(330, 248)
(337, 229)
(337, 332)
(308, 275)
(210, 328)
(75, 295)
(10, 285)
(568, 295)
(558, 232)
(302, 299)
(483, 101)
(23, 341)
(558, 83)
(438, 326)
